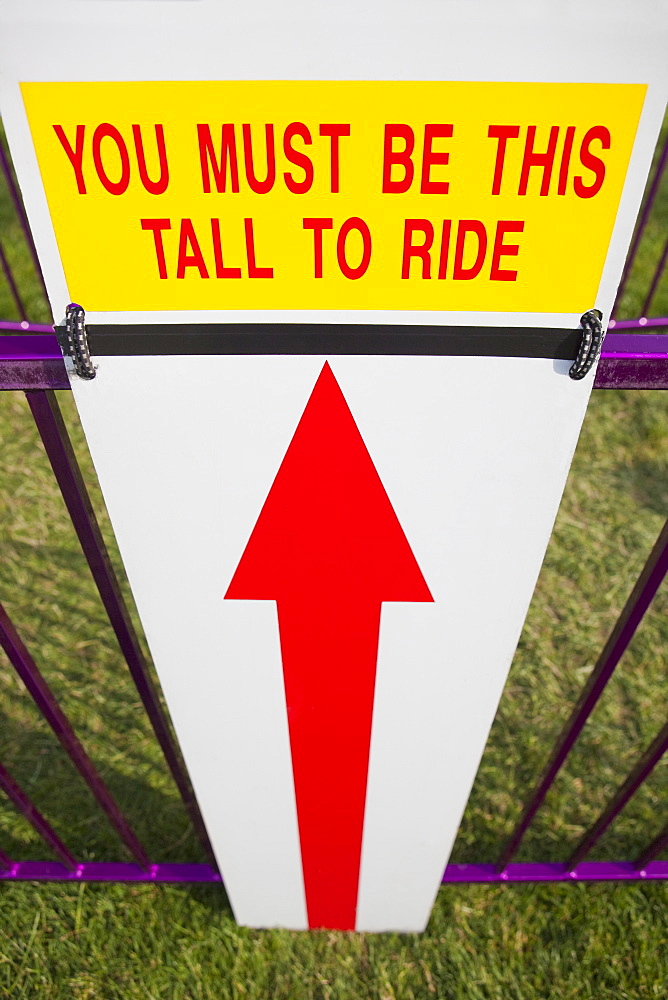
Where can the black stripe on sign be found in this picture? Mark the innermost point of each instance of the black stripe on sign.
(306, 338)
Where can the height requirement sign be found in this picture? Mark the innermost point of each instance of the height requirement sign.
(333, 263)
(333, 195)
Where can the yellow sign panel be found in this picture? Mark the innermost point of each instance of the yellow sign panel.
(333, 194)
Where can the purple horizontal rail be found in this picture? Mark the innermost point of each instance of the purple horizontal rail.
(633, 361)
(109, 871)
(635, 345)
(100, 871)
(588, 871)
(26, 807)
(12, 325)
(32, 360)
(637, 324)
(639, 361)
(632, 614)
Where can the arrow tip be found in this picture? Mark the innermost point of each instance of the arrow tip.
(328, 525)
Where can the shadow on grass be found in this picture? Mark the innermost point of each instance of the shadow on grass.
(647, 483)
(44, 771)
(51, 564)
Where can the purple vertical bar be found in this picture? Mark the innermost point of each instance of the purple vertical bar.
(647, 208)
(21, 214)
(652, 851)
(35, 818)
(638, 775)
(655, 280)
(46, 701)
(641, 597)
(5, 860)
(4, 263)
(55, 438)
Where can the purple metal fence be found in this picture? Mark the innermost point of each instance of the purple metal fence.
(30, 360)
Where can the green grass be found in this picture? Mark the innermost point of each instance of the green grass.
(512, 943)
(553, 942)
(648, 257)
(20, 262)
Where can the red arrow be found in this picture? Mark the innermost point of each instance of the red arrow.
(329, 549)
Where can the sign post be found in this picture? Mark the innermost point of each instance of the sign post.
(333, 263)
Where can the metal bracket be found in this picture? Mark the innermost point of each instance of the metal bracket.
(76, 341)
(590, 345)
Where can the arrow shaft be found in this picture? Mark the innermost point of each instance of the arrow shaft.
(329, 650)
(328, 548)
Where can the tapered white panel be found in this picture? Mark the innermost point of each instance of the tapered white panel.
(476, 502)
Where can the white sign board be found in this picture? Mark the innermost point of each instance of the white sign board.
(333, 260)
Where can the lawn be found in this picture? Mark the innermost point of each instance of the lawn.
(84, 942)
